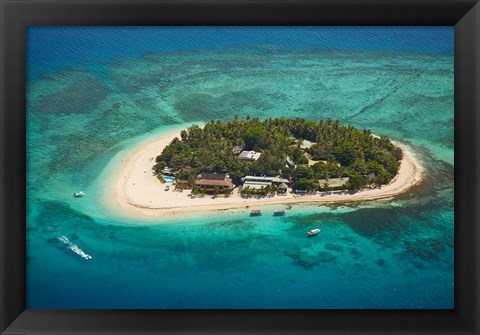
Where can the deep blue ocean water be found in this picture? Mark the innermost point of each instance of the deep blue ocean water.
(95, 91)
(57, 48)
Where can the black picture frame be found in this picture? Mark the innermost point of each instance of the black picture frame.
(16, 15)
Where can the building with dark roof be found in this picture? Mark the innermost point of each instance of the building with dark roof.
(208, 180)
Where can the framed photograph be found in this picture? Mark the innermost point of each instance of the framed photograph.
(240, 167)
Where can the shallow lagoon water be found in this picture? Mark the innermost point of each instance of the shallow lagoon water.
(395, 253)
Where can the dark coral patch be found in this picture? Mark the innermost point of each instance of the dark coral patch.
(427, 249)
(334, 247)
(307, 259)
(201, 106)
(83, 95)
(355, 252)
(325, 256)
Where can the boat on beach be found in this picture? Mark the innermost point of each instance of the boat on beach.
(279, 212)
(313, 232)
(78, 194)
(255, 212)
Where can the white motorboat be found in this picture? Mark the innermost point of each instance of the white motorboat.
(78, 194)
(313, 232)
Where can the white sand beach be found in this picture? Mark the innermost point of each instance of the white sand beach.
(133, 190)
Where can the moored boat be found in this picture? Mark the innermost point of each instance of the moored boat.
(255, 212)
(313, 232)
(279, 212)
(78, 194)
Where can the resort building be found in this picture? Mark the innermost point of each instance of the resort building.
(211, 180)
(278, 180)
(249, 156)
(262, 181)
(333, 182)
(257, 182)
(306, 144)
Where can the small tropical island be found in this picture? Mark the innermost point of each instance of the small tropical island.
(273, 155)
(251, 162)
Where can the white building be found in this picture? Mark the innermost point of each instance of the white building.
(306, 144)
(257, 182)
(249, 156)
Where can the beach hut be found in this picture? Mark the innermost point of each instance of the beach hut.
(282, 188)
(278, 180)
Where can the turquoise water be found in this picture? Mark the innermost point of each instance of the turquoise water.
(85, 109)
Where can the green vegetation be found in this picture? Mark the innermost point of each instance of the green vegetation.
(337, 151)
(216, 191)
(269, 189)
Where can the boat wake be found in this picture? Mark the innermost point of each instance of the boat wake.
(74, 247)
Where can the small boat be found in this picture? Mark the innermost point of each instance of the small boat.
(313, 232)
(78, 194)
(279, 212)
(255, 212)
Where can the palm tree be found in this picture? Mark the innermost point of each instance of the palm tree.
(326, 187)
(228, 192)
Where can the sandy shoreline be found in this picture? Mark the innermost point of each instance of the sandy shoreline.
(132, 190)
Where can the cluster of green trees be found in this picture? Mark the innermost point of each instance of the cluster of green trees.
(269, 189)
(216, 190)
(339, 151)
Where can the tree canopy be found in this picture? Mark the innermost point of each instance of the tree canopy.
(337, 151)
